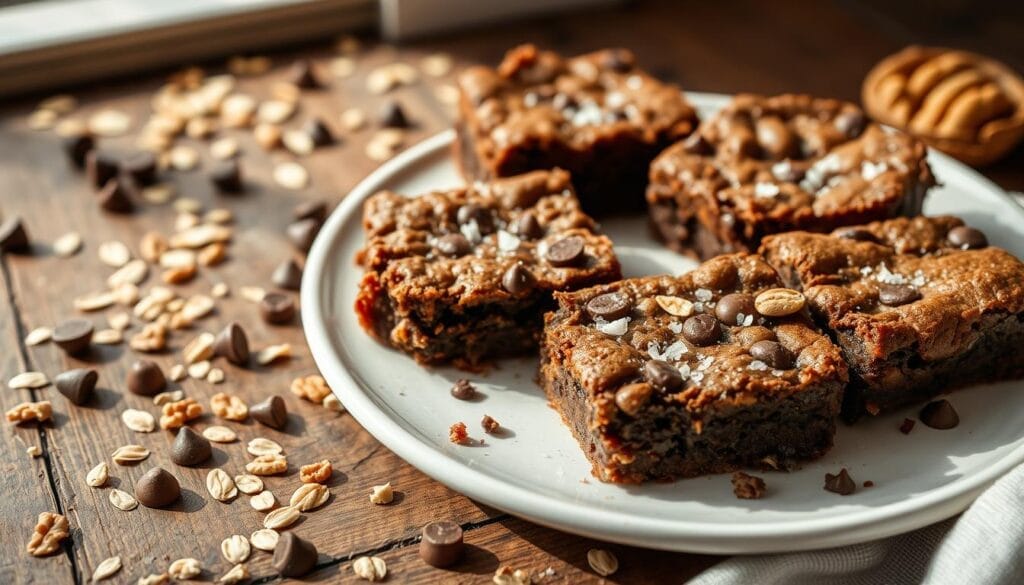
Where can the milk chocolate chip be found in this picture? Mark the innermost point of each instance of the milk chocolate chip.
(145, 378)
(190, 448)
(157, 489)
(441, 543)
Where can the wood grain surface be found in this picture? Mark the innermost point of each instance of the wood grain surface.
(819, 47)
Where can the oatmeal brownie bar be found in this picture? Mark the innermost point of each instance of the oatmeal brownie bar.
(766, 165)
(466, 275)
(596, 115)
(668, 377)
(918, 305)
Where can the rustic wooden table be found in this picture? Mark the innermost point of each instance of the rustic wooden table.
(819, 47)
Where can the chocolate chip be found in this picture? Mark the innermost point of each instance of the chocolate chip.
(318, 132)
(113, 197)
(565, 252)
(851, 123)
(471, 212)
(393, 116)
(226, 176)
(702, 330)
(856, 234)
(696, 144)
(303, 232)
(287, 275)
(73, 336)
(277, 308)
(13, 236)
(662, 376)
(293, 556)
(441, 543)
(528, 228)
(157, 489)
(77, 385)
(894, 295)
(773, 354)
(868, 484)
(731, 306)
(302, 75)
(77, 146)
(518, 279)
(840, 483)
(190, 448)
(232, 344)
(939, 415)
(967, 238)
(272, 412)
(145, 378)
(310, 210)
(100, 167)
(609, 306)
(453, 245)
(907, 426)
(632, 398)
(141, 167)
(463, 389)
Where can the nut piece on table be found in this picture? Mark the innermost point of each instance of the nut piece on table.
(51, 529)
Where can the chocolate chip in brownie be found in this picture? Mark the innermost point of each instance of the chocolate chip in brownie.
(856, 234)
(518, 279)
(939, 414)
(702, 330)
(907, 426)
(967, 238)
(840, 483)
(478, 214)
(567, 251)
(748, 487)
(772, 353)
(609, 306)
(662, 376)
(527, 227)
(463, 389)
(895, 295)
(734, 308)
(453, 245)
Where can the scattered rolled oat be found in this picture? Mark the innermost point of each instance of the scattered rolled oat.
(107, 569)
(28, 381)
(168, 397)
(267, 136)
(97, 476)
(184, 569)
(42, 120)
(129, 454)
(67, 245)
(264, 539)
(38, 335)
(281, 518)
(261, 446)
(333, 404)
(139, 421)
(228, 407)
(159, 194)
(309, 496)
(382, 494)
(94, 301)
(216, 376)
(51, 529)
(263, 501)
(220, 290)
(219, 434)
(220, 485)
(184, 158)
(370, 568)
(248, 484)
(353, 119)
(313, 388)
(114, 254)
(26, 411)
(437, 65)
(177, 373)
(252, 294)
(267, 465)
(237, 574)
(119, 321)
(273, 353)
(122, 500)
(298, 143)
(235, 549)
(602, 562)
(107, 337)
(291, 175)
(109, 123)
(318, 472)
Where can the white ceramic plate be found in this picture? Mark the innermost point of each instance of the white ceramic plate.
(538, 471)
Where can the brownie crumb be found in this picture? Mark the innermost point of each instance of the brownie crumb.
(457, 433)
(464, 389)
(840, 483)
(748, 487)
(490, 425)
(907, 426)
(869, 483)
(939, 415)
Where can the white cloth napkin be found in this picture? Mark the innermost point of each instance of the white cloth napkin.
(984, 545)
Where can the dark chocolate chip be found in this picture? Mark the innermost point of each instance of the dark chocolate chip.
(565, 252)
(441, 543)
(303, 232)
(287, 275)
(868, 484)
(894, 295)
(277, 308)
(731, 306)
(840, 483)
(141, 167)
(453, 245)
(100, 167)
(393, 116)
(702, 330)
(318, 132)
(907, 426)
(13, 236)
(528, 228)
(856, 234)
(851, 123)
(662, 376)
(463, 389)
(609, 306)
(967, 238)
(113, 197)
(310, 210)
(190, 448)
(696, 144)
(73, 336)
(471, 212)
(272, 412)
(145, 378)
(773, 354)
(77, 146)
(226, 176)
(157, 489)
(939, 415)
(232, 344)
(77, 385)
(518, 279)
(302, 75)
(293, 556)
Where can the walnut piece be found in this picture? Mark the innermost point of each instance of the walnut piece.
(318, 472)
(27, 411)
(313, 388)
(228, 407)
(51, 529)
(176, 414)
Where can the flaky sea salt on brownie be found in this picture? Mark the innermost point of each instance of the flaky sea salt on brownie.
(466, 275)
(597, 115)
(668, 377)
(918, 305)
(766, 165)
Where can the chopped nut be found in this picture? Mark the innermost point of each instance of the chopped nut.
(153, 337)
(26, 411)
(178, 373)
(457, 433)
(237, 574)
(51, 529)
(318, 472)
(333, 404)
(107, 569)
(267, 465)
(168, 397)
(176, 414)
(28, 381)
(139, 421)
(179, 275)
(747, 487)
(228, 407)
(676, 306)
(67, 245)
(490, 425)
(212, 254)
(370, 568)
(114, 254)
(184, 569)
(382, 494)
(272, 353)
(34, 451)
(602, 562)
(313, 388)
(291, 175)
(506, 576)
(199, 349)
(122, 500)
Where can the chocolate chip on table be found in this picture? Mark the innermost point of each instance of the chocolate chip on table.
(939, 414)
(226, 176)
(271, 412)
(145, 378)
(277, 308)
(318, 132)
(157, 489)
(74, 336)
(773, 354)
(851, 123)
(77, 146)
(609, 306)
(293, 556)
(840, 483)
(472, 212)
(528, 228)
(232, 344)
(114, 197)
(967, 238)
(190, 448)
(907, 426)
(453, 245)
(441, 543)
(702, 330)
(894, 295)
(518, 279)
(77, 385)
(567, 251)
(13, 236)
(141, 167)
(662, 376)
(316, 209)
(855, 233)
(463, 389)
(729, 308)
(302, 75)
(100, 167)
(287, 275)
(302, 233)
(393, 116)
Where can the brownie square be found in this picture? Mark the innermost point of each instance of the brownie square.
(465, 275)
(669, 377)
(918, 305)
(766, 165)
(596, 115)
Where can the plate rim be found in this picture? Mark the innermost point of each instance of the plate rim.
(688, 536)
